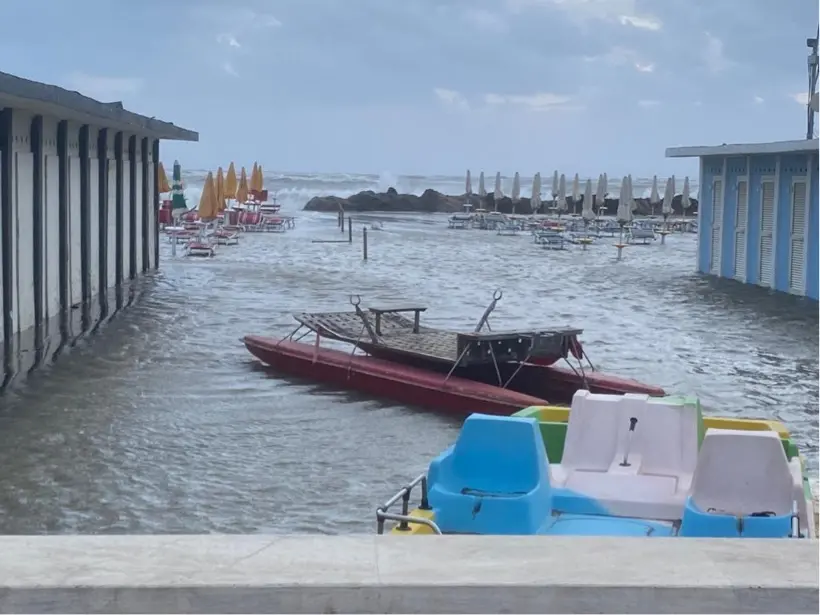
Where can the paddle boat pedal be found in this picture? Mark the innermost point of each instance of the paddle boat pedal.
(627, 466)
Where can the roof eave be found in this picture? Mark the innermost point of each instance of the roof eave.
(743, 149)
(47, 99)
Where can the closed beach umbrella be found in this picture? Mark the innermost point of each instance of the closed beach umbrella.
(468, 188)
(555, 185)
(516, 191)
(624, 214)
(163, 185)
(207, 200)
(230, 182)
(535, 199)
(260, 178)
(497, 193)
(587, 212)
(600, 194)
(685, 203)
(562, 194)
(178, 204)
(252, 178)
(220, 191)
(654, 195)
(482, 191)
(668, 196)
(576, 192)
(242, 188)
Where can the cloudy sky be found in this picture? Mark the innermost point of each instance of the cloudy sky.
(431, 86)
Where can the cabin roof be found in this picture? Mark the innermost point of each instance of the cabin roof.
(46, 99)
(744, 149)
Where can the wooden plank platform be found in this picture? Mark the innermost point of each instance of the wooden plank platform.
(396, 334)
(348, 325)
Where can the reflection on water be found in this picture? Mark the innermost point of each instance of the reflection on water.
(163, 422)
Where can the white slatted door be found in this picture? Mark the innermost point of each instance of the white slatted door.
(797, 257)
(740, 229)
(717, 225)
(767, 235)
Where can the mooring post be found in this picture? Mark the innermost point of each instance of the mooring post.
(349, 231)
(364, 242)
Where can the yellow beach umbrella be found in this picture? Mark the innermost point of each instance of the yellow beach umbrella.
(164, 186)
(230, 182)
(252, 179)
(260, 179)
(220, 191)
(207, 201)
(242, 189)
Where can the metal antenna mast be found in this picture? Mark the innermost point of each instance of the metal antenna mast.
(812, 104)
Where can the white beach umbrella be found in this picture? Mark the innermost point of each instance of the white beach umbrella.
(630, 196)
(654, 195)
(576, 192)
(685, 203)
(468, 188)
(668, 195)
(587, 212)
(555, 185)
(535, 199)
(600, 192)
(562, 194)
(497, 194)
(482, 191)
(624, 214)
(516, 190)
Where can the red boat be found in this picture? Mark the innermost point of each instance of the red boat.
(459, 372)
(401, 383)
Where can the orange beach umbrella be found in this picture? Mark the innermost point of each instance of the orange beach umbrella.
(164, 186)
(230, 182)
(242, 189)
(260, 179)
(220, 191)
(207, 201)
(252, 178)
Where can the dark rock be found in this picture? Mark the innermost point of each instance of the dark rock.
(432, 201)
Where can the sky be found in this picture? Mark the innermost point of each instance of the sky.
(432, 86)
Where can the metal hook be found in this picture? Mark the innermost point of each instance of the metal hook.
(497, 294)
(355, 300)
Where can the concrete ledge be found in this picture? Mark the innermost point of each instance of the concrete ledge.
(391, 574)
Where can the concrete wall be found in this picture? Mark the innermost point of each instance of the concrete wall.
(392, 574)
(731, 209)
(70, 222)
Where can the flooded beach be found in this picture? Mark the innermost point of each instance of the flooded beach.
(163, 422)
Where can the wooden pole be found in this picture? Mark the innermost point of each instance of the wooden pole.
(349, 231)
(364, 242)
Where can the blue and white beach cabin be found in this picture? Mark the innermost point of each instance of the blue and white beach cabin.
(758, 213)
